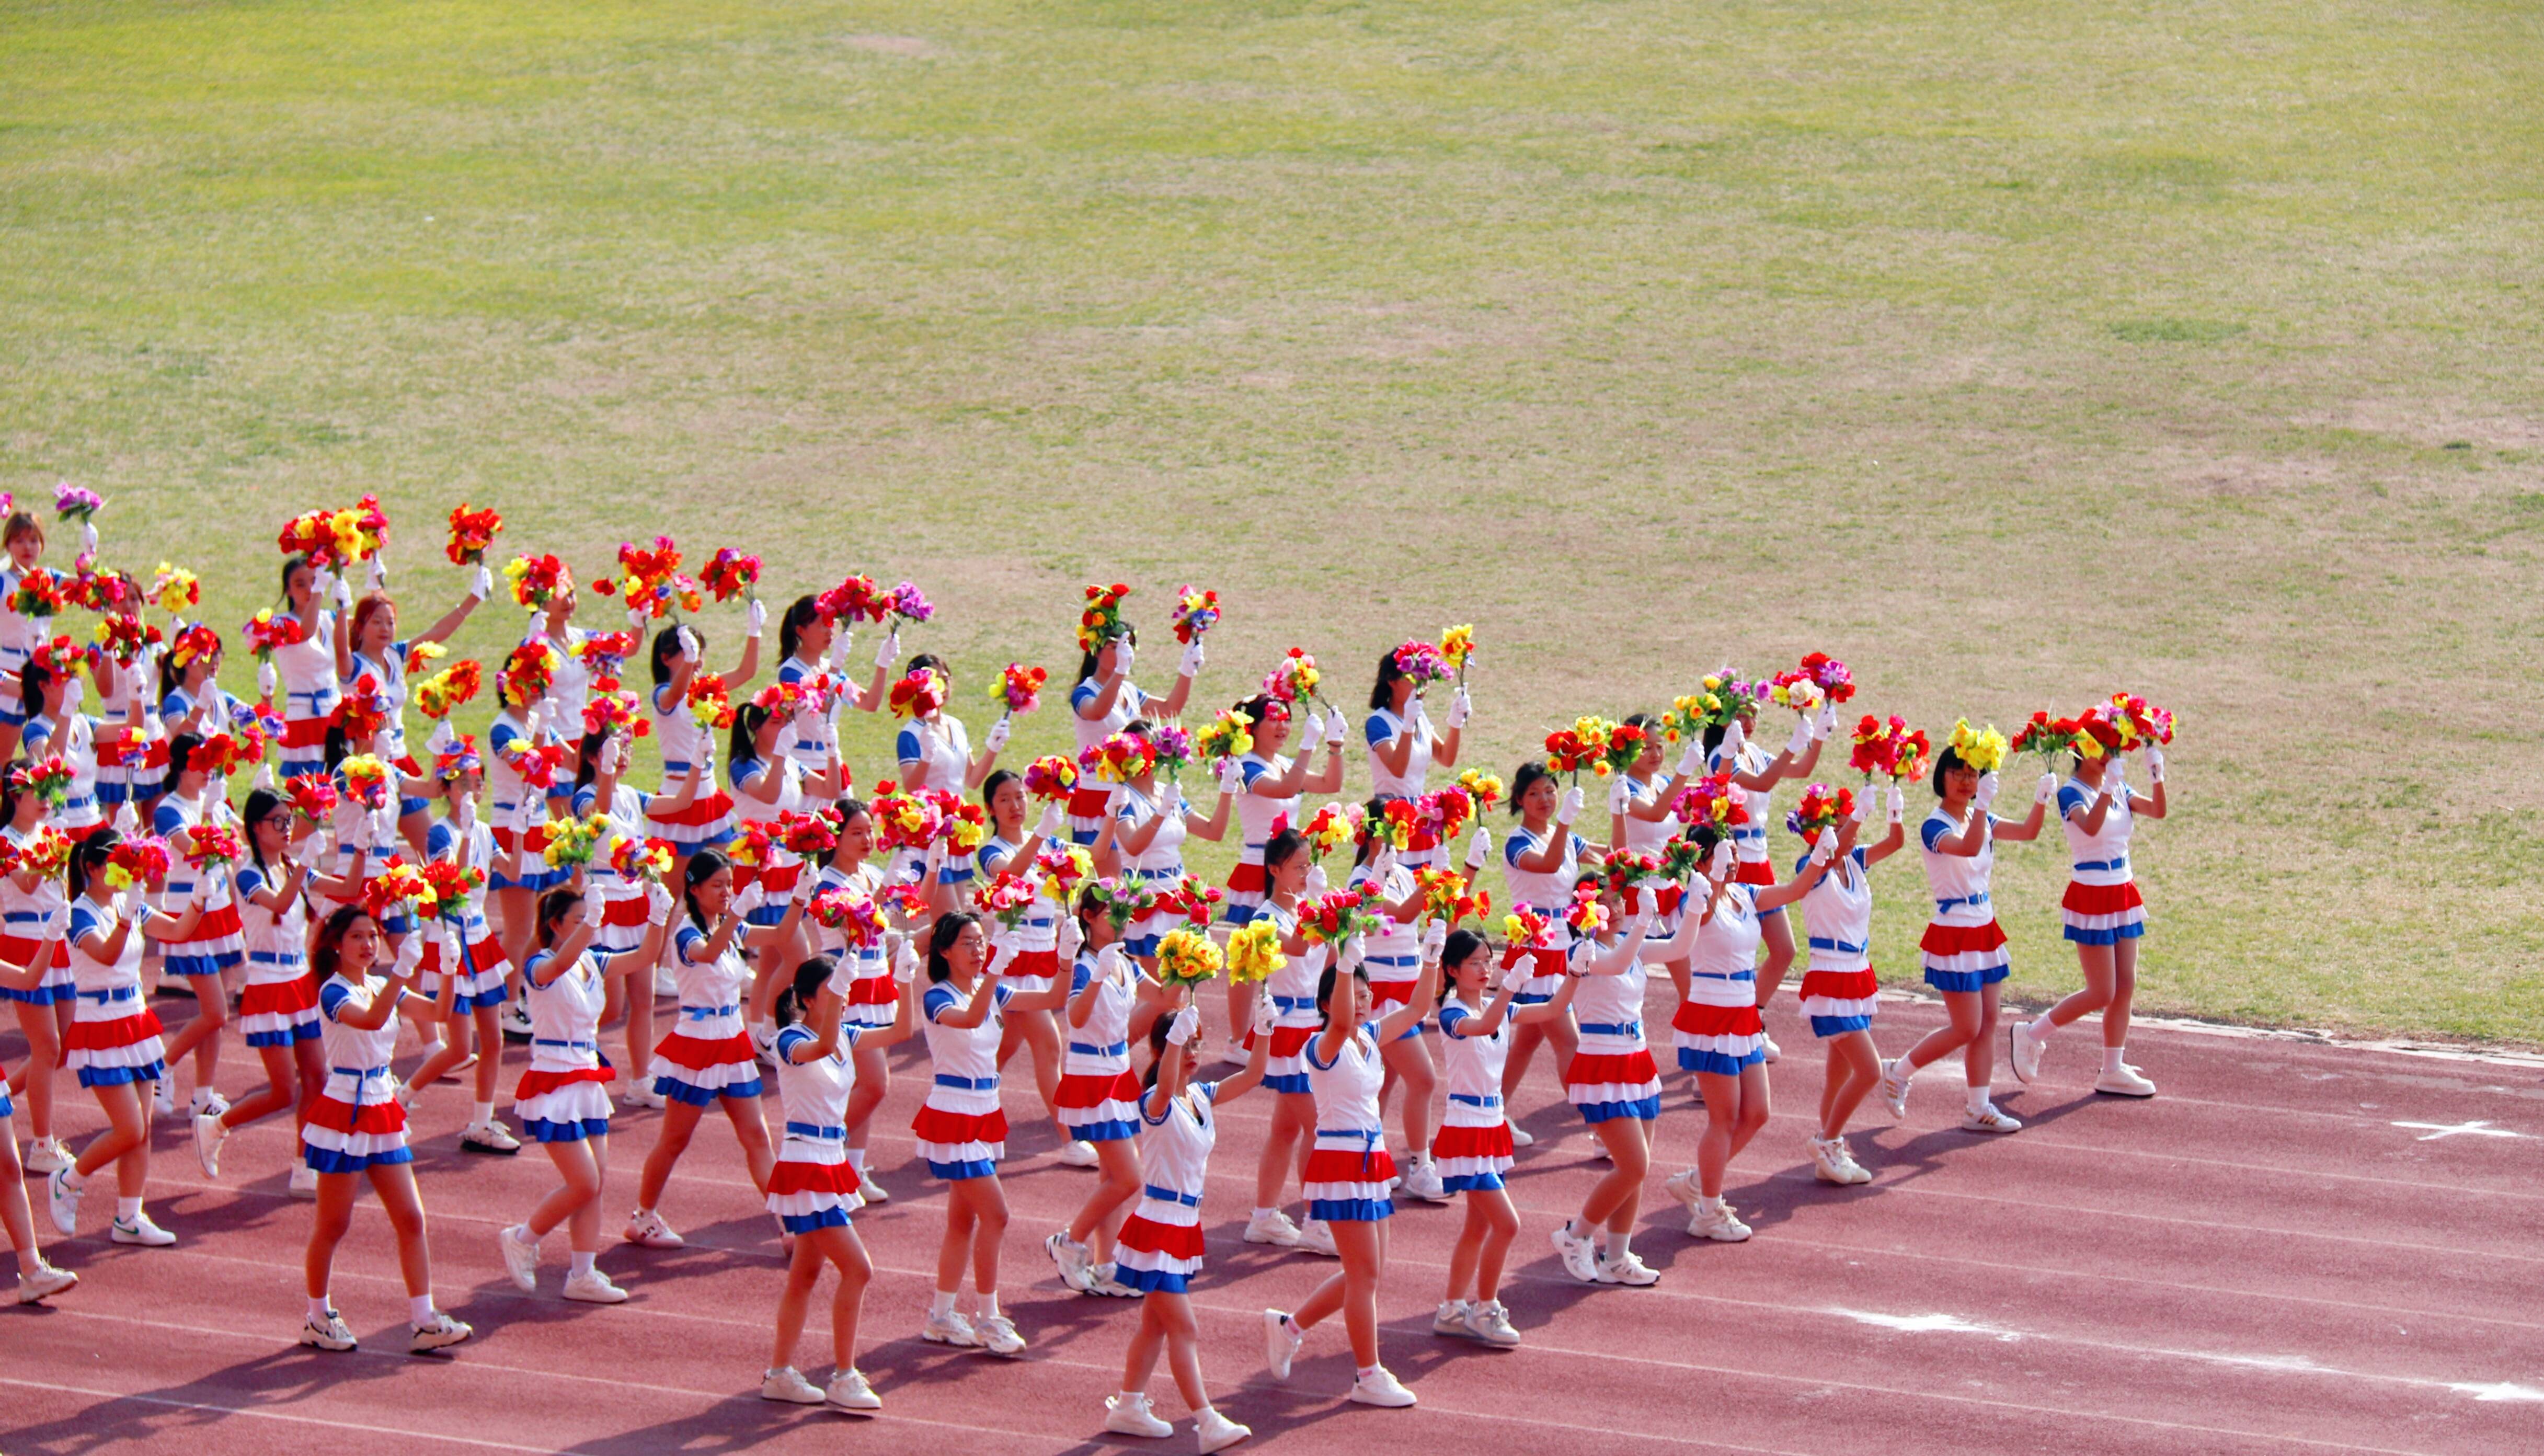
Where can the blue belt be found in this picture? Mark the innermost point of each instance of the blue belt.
(359, 1074)
(277, 958)
(1748, 975)
(817, 1132)
(21, 917)
(1473, 1101)
(113, 993)
(1390, 961)
(1170, 1195)
(1946, 907)
(1117, 1049)
(674, 765)
(1748, 834)
(84, 801)
(1294, 1002)
(1367, 1136)
(580, 1046)
(2091, 865)
(1612, 1028)
(709, 1013)
(1825, 942)
(969, 1084)
(316, 695)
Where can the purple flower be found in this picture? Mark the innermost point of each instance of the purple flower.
(74, 503)
(911, 603)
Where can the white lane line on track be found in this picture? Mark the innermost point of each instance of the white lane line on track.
(403, 1435)
(2436, 1130)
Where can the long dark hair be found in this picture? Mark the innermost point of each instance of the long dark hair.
(800, 613)
(702, 868)
(32, 680)
(990, 785)
(327, 951)
(796, 996)
(1382, 693)
(9, 790)
(1373, 811)
(555, 906)
(1524, 779)
(282, 585)
(88, 856)
(1944, 762)
(747, 720)
(666, 645)
(180, 750)
(949, 929)
(1326, 980)
(1281, 847)
(260, 803)
(1158, 1031)
(1087, 662)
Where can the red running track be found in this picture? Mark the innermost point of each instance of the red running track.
(2297, 1247)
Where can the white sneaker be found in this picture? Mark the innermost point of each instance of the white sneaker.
(870, 1190)
(646, 1230)
(949, 1327)
(1215, 1432)
(1128, 1416)
(521, 1257)
(1281, 1342)
(1578, 1259)
(63, 1200)
(1988, 1119)
(1423, 1181)
(998, 1334)
(1856, 1173)
(2125, 1082)
(1076, 1264)
(515, 1020)
(1080, 1153)
(1316, 1237)
(1490, 1323)
(848, 1391)
(163, 1099)
(434, 1334)
(1829, 1162)
(1683, 1188)
(139, 1232)
(787, 1384)
(1273, 1228)
(46, 1282)
(47, 1155)
(1521, 1137)
(209, 1100)
(591, 1286)
(1714, 1220)
(304, 1181)
(2023, 1051)
(1450, 1318)
(208, 1135)
(1380, 1386)
(1102, 1279)
(1629, 1270)
(642, 1094)
(489, 1137)
(331, 1334)
(1894, 1087)
(1774, 1052)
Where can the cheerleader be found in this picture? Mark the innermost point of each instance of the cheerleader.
(1103, 703)
(306, 665)
(814, 1190)
(278, 1006)
(2105, 915)
(466, 971)
(1838, 986)
(563, 1101)
(133, 773)
(600, 788)
(371, 648)
(357, 1131)
(935, 751)
(1348, 1173)
(679, 653)
(961, 1131)
(33, 911)
(769, 785)
(22, 539)
(578, 659)
(1539, 863)
(1728, 751)
(114, 1042)
(1393, 958)
(191, 698)
(56, 728)
(1150, 823)
(522, 782)
(864, 980)
(1268, 801)
(1111, 1004)
(1474, 1144)
(1010, 850)
(1964, 948)
(1642, 819)
(1293, 990)
(1403, 746)
(217, 945)
(37, 1279)
(707, 1059)
(1718, 1033)
(805, 637)
(1163, 1243)
(1611, 1080)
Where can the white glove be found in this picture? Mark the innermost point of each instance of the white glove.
(2046, 790)
(1987, 791)
(637, 618)
(754, 618)
(1187, 1021)
(1318, 884)
(1167, 797)
(1067, 937)
(1516, 975)
(1824, 848)
(2155, 763)
(1735, 737)
(592, 908)
(322, 584)
(1109, 963)
(410, 955)
(443, 736)
(482, 585)
(1479, 848)
(1435, 939)
(1190, 667)
(2117, 782)
(1570, 807)
(613, 757)
(1863, 805)
(463, 815)
(753, 897)
(73, 694)
(1826, 722)
(264, 681)
(1005, 953)
(1353, 950)
(1635, 924)
(1802, 738)
(1047, 828)
(1692, 763)
(1720, 867)
(1621, 796)
(204, 889)
(263, 777)
(1122, 655)
(446, 937)
(126, 822)
(1262, 1017)
(935, 860)
(889, 649)
(1382, 864)
(379, 572)
(658, 903)
(905, 964)
(690, 651)
(1334, 731)
(1898, 805)
(1459, 707)
(384, 747)
(1315, 727)
(531, 720)
(1232, 776)
(997, 738)
(344, 600)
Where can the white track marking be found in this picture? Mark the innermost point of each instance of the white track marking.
(2437, 1130)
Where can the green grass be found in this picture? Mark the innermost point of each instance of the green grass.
(2013, 353)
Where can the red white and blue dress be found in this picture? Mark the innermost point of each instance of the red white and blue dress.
(863, 975)
(1349, 1170)
(813, 1186)
(622, 900)
(1295, 1017)
(775, 877)
(565, 1095)
(1157, 866)
(76, 742)
(2101, 906)
(390, 676)
(961, 1130)
(708, 820)
(1159, 1247)
(803, 739)
(1716, 1028)
(357, 1123)
(25, 917)
(481, 950)
(1839, 988)
(136, 769)
(1472, 1148)
(942, 744)
(218, 941)
(1257, 820)
(307, 669)
(113, 1037)
(706, 1056)
(1547, 893)
(1382, 727)
(1964, 948)
(1749, 841)
(1037, 932)
(1650, 837)
(1612, 1074)
(506, 741)
(1391, 955)
(18, 638)
(1088, 802)
(1098, 1097)
(278, 1004)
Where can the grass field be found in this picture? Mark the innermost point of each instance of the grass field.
(2013, 354)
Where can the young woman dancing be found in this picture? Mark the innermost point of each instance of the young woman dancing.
(1729, 749)
(1103, 703)
(1541, 861)
(1009, 850)
(305, 665)
(2105, 917)
(37, 1279)
(1111, 1004)
(467, 968)
(1403, 746)
(865, 979)
(679, 655)
(1268, 801)
(279, 1013)
(34, 912)
(372, 648)
(217, 947)
(805, 637)
(1293, 990)
(1392, 956)
(1839, 988)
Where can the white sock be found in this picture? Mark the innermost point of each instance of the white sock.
(127, 1210)
(418, 1310)
(1573, 1227)
(1133, 1398)
(1618, 1245)
(485, 1113)
(1368, 1371)
(940, 1303)
(74, 1180)
(2111, 1060)
(858, 1161)
(580, 1262)
(317, 1308)
(989, 1304)
(1263, 1213)
(1979, 1100)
